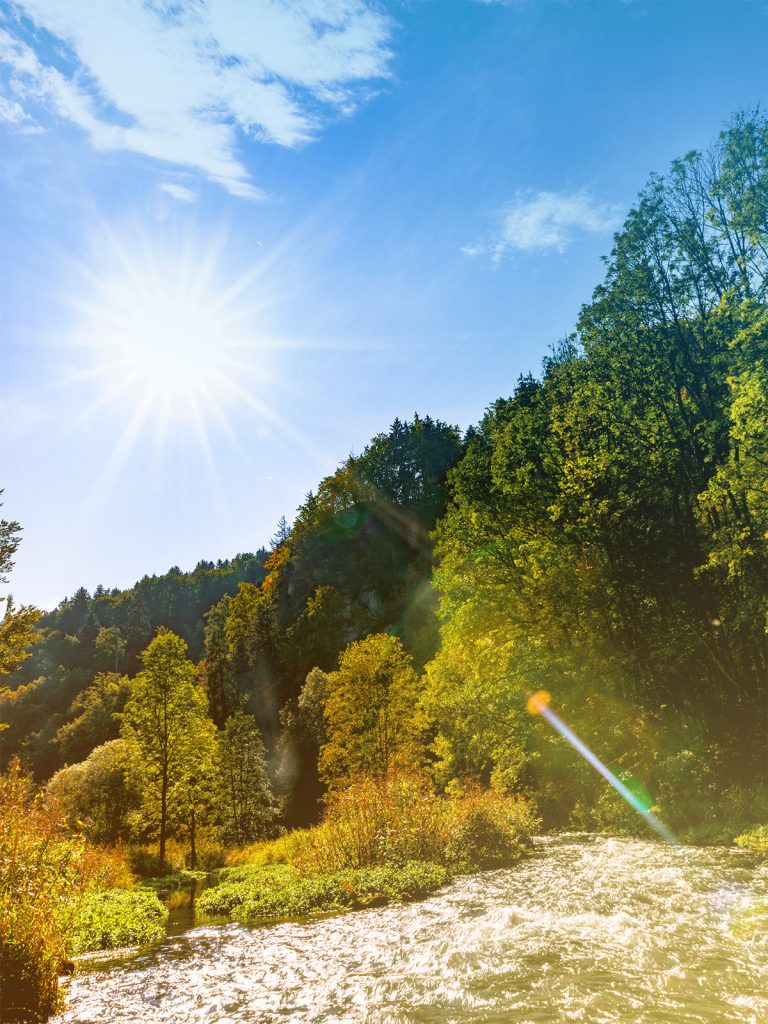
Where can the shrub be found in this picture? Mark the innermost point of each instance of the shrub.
(754, 839)
(377, 822)
(43, 873)
(107, 868)
(402, 819)
(109, 920)
(284, 849)
(144, 860)
(486, 829)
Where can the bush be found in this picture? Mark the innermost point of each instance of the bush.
(376, 822)
(145, 862)
(44, 873)
(109, 920)
(754, 839)
(486, 829)
(285, 849)
(695, 805)
(404, 820)
(259, 893)
(211, 854)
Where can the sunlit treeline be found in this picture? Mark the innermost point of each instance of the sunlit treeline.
(601, 534)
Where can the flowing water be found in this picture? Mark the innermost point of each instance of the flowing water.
(589, 929)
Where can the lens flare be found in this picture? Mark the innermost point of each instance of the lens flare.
(538, 704)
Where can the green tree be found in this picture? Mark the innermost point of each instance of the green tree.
(109, 649)
(98, 795)
(17, 625)
(370, 712)
(195, 801)
(217, 666)
(97, 711)
(164, 719)
(249, 810)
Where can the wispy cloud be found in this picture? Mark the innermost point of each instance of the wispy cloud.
(12, 113)
(546, 222)
(185, 82)
(179, 192)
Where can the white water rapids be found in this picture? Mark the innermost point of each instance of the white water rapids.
(590, 929)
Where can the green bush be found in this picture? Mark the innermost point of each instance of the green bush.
(109, 920)
(261, 893)
(754, 839)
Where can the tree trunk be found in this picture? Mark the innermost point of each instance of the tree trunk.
(192, 848)
(163, 818)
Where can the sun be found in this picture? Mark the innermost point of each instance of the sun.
(167, 337)
(172, 347)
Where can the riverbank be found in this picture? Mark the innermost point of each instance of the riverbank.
(588, 927)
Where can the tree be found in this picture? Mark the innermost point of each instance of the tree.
(196, 798)
(109, 649)
(97, 709)
(165, 719)
(370, 712)
(282, 534)
(17, 626)
(217, 667)
(249, 810)
(98, 794)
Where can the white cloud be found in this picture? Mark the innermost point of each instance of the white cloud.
(179, 192)
(546, 222)
(178, 81)
(12, 113)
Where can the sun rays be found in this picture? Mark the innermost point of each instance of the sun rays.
(164, 335)
(168, 346)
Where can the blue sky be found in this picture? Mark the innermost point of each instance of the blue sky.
(239, 237)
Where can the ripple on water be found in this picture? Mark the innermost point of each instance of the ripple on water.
(608, 931)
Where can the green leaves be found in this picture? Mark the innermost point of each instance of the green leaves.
(370, 711)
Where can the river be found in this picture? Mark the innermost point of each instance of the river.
(589, 929)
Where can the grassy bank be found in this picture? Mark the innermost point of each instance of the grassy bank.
(259, 893)
(116, 918)
(391, 840)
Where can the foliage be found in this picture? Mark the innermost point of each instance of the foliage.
(400, 819)
(115, 918)
(17, 624)
(43, 873)
(265, 892)
(97, 709)
(249, 811)
(607, 530)
(754, 839)
(145, 862)
(285, 849)
(376, 821)
(370, 712)
(166, 725)
(487, 830)
(104, 631)
(98, 795)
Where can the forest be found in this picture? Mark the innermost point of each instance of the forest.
(600, 534)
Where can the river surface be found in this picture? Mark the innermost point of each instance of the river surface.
(590, 929)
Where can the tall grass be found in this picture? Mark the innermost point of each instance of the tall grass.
(401, 819)
(43, 873)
